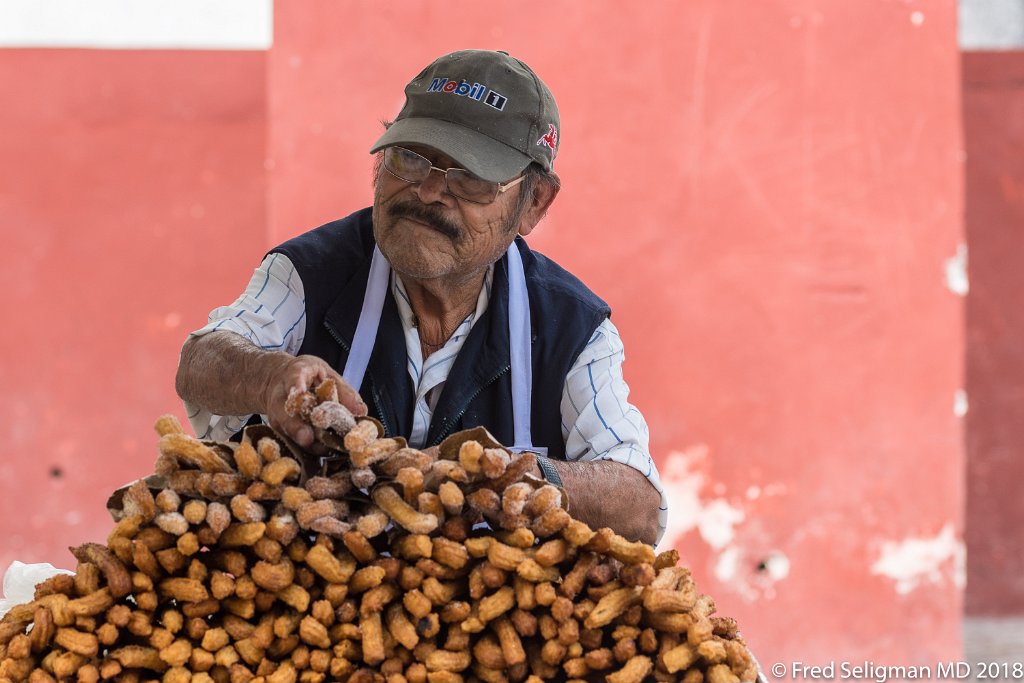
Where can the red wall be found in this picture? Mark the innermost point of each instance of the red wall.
(994, 136)
(766, 193)
(129, 183)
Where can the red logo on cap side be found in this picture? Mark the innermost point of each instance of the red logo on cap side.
(549, 139)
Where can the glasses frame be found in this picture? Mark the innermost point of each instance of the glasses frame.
(500, 188)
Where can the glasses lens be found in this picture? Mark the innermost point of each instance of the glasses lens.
(414, 168)
(464, 184)
(407, 165)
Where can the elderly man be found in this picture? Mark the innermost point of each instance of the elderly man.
(431, 304)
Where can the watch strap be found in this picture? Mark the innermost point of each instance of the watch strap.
(548, 469)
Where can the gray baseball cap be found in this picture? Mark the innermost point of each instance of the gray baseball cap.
(486, 110)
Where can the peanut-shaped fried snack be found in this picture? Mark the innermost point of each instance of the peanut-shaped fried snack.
(168, 500)
(218, 517)
(168, 424)
(337, 486)
(330, 526)
(248, 460)
(405, 457)
(388, 500)
(551, 522)
(245, 510)
(607, 541)
(363, 477)
(139, 502)
(332, 415)
(172, 522)
(411, 480)
(452, 497)
(326, 391)
(470, 454)
(577, 533)
(445, 470)
(373, 522)
(360, 436)
(679, 657)
(280, 470)
(517, 468)
(183, 590)
(138, 657)
(634, 671)
(612, 605)
(282, 526)
(542, 499)
(191, 452)
(242, 534)
(493, 462)
(273, 576)
(485, 501)
(300, 403)
(118, 579)
(307, 513)
(269, 449)
(374, 452)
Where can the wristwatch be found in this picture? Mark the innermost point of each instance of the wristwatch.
(548, 469)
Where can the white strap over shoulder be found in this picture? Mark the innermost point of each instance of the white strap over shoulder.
(369, 320)
(520, 345)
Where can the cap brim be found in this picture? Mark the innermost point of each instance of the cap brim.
(481, 155)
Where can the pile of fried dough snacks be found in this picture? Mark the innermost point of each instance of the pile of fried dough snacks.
(257, 563)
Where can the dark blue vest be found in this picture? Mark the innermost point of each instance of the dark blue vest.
(334, 263)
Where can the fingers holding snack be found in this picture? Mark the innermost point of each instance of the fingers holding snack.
(292, 394)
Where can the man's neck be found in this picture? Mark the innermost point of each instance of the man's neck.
(440, 305)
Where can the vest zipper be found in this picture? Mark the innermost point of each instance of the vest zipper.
(376, 398)
(447, 430)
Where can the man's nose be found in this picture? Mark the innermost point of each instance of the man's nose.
(432, 188)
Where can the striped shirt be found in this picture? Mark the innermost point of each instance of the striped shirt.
(598, 422)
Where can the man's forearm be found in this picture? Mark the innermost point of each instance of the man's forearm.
(607, 493)
(226, 374)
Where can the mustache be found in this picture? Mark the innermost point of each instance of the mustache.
(424, 214)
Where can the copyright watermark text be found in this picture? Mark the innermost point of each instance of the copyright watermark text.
(880, 673)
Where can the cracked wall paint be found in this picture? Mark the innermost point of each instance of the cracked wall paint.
(960, 404)
(751, 586)
(683, 477)
(717, 521)
(956, 272)
(776, 566)
(915, 560)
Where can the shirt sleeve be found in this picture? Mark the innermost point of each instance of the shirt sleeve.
(598, 422)
(270, 313)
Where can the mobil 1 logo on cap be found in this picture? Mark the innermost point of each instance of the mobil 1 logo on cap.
(462, 88)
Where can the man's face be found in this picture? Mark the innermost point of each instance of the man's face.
(426, 233)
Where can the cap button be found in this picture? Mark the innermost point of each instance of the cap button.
(502, 52)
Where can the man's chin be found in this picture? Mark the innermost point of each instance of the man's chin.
(416, 260)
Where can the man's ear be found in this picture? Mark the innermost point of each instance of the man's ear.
(543, 195)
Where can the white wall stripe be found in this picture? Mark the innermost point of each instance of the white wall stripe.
(990, 24)
(138, 24)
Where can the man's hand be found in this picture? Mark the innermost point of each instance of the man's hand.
(606, 493)
(303, 373)
(226, 374)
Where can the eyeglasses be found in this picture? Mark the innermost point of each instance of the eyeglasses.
(415, 168)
